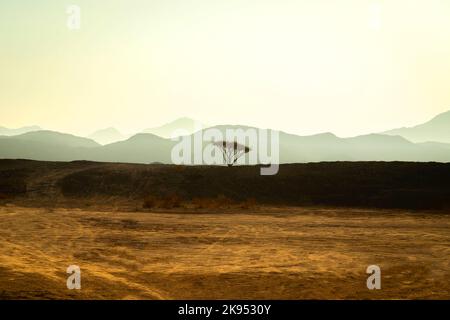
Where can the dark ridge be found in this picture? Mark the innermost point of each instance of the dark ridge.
(407, 185)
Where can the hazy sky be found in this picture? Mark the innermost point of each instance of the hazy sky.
(345, 66)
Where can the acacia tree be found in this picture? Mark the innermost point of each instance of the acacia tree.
(231, 151)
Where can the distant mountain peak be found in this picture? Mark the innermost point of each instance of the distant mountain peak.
(442, 116)
(107, 136)
(184, 119)
(142, 136)
(381, 138)
(183, 125)
(437, 129)
(324, 135)
(109, 129)
(16, 131)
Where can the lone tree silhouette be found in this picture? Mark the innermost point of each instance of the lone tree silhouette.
(231, 151)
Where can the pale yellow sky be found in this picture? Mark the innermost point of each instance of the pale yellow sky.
(344, 66)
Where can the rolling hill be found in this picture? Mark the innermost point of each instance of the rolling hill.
(56, 138)
(140, 148)
(46, 145)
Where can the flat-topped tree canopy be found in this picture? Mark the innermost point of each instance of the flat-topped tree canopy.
(231, 151)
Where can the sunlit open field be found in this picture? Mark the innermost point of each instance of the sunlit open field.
(273, 253)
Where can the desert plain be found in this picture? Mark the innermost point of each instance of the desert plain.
(271, 253)
(174, 232)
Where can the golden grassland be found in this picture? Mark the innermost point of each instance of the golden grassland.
(245, 253)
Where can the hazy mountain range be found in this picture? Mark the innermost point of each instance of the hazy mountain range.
(183, 125)
(154, 145)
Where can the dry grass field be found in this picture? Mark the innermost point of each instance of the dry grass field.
(262, 253)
